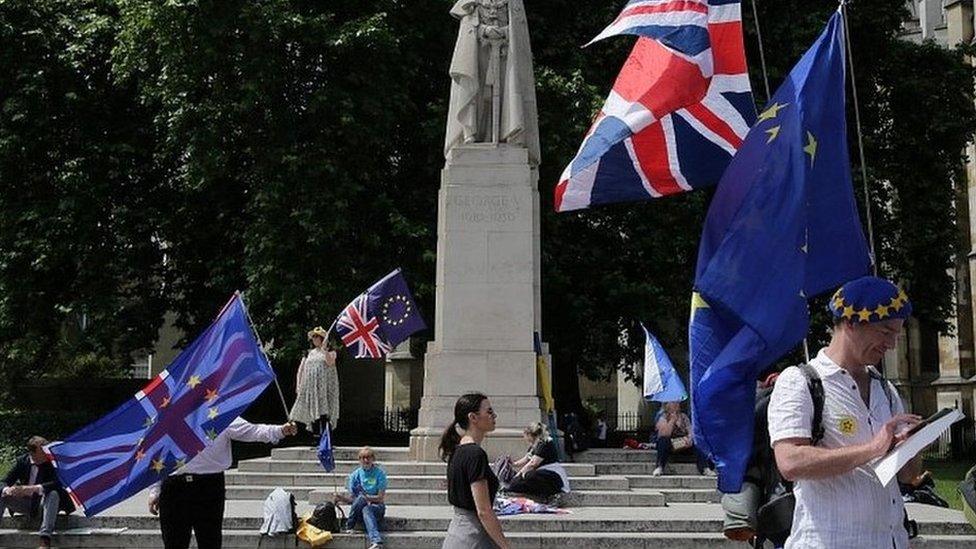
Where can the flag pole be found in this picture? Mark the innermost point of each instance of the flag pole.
(257, 336)
(860, 138)
(762, 52)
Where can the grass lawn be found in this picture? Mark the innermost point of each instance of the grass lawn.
(947, 476)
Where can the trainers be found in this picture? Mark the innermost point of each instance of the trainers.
(658, 471)
(709, 472)
(376, 545)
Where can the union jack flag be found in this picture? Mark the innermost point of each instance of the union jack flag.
(678, 112)
(380, 318)
(358, 330)
(170, 420)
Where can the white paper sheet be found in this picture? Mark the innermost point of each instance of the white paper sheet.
(887, 466)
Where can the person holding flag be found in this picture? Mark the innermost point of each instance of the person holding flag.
(317, 386)
(175, 434)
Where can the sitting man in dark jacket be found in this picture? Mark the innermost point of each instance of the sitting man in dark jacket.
(32, 486)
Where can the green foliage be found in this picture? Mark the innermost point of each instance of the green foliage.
(159, 155)
(80, 264)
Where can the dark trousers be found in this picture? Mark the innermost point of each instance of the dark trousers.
(665, 449)
(540, 484)
(192, 503)
(318, 425)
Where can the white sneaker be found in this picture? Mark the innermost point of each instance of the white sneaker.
(376, 546)
(658, 471)
(709, 472)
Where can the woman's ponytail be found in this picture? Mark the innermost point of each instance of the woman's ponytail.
(466, 404)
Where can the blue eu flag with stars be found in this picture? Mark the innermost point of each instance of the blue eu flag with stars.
(782, 227)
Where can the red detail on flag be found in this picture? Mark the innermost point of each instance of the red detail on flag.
(711, 121)
(680, 5)
(651, 150)
(364, 331)
(728, 51)
(659, 80)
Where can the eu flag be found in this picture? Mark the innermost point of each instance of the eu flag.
(170, 420)
(782, 227)
(325, 452)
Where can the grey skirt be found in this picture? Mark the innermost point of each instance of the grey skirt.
(466, 532)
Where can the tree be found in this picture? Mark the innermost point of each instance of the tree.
(80, 262)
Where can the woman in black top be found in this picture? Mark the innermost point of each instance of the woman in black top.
(471, 484)
(540, 476)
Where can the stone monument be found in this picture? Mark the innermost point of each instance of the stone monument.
(488, 272)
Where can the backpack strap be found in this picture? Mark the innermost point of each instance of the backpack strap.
(815, 385)
(885, 386)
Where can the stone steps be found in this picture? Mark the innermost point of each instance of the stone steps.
(637, 468)
(398, 468)
(421, 482)
(669, 481)
(150, 539)
(595, 498)
(674, 518)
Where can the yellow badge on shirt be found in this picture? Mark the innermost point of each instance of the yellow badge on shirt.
(847, 426)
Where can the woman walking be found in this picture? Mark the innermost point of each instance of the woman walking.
(317, 386)
(471, 484)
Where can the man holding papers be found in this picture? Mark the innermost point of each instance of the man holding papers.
(839, 501)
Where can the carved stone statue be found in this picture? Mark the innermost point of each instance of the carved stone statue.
(492, 87)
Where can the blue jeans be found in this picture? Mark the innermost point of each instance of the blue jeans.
(370, 514)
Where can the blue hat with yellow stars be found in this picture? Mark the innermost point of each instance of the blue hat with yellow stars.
(869, 299)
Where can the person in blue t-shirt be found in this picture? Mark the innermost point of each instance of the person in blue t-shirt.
(367, 489)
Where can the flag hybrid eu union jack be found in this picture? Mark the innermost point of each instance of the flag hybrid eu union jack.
(380, 318)
(170, 420)
(678, 112)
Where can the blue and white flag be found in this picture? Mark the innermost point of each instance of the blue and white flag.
(168, 422)
(379, 319)
(782, 228)
(325, 453)
(661, 382)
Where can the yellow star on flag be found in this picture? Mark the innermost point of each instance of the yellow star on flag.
(848, 312)
(811, 147)
(771, 112)
(149, 421)
(864, 315)
(213, 413)
(194, 381)
(896, 303)
(211, 433)
(179, 463)
(773, 132)
(882, 311)
(157, 465)
(211, 395)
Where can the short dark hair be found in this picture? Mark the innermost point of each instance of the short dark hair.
(35, 443)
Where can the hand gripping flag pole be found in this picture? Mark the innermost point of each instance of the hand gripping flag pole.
(257, 336)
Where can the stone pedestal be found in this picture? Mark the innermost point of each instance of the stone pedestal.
(488, 294)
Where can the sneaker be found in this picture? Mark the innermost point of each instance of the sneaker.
(376, 545)
(709, 472)
(658, 471)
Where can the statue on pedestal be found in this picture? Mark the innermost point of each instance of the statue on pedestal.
(492, 87)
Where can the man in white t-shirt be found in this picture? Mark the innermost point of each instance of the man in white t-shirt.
(840, 502)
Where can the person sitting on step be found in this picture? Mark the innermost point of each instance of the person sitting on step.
(539, 475)
(32, 487)
(674, 435)
(367, 491)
